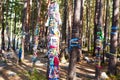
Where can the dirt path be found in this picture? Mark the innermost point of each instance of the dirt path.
(13, 71)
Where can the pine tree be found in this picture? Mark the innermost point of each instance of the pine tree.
(114, 35)
(75, 37)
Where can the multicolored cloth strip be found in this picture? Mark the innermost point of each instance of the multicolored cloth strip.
(52, 23)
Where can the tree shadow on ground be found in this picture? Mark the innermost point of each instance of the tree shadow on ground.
(85, 70)
(63, 72)
(84, 76)
(20, 69)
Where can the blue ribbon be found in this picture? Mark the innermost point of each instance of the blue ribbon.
(114, 28)
(53, 78)
(114, 33)
(20, 53)
(74, 43)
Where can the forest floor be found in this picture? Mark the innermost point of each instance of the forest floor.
(14, 71)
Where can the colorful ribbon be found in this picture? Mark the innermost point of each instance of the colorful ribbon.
(53, 22)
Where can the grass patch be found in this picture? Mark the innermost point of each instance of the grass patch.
(35, 75)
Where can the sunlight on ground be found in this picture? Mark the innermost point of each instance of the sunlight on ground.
(1, 78)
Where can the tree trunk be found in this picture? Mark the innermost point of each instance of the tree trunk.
(36, 33)
(75, 34)
(88, 24)
(72, 65)
(0, 12)
(119, 42)
(8, 35)
(39, 10)
(64, 27)
(27, 25)
(80, 29)
(105, 29)
(38, 18)
(23, 28)
(95, 24)
(8, 43)
(3, 28)
(69, 27)
(11, 28)
(1, 16)
(65, 21)
(7, 27)
(53, 59)
(14, 32)
(99, 36)
(32, 27)
(113, 41)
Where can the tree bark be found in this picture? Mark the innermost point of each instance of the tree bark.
(64, 32)
(38, 17)
(72, 65)
(0, 12)
(113, 41)
(32, 27)
(98, 37)
(3, 28)
(14, 32)
(1, 16)
(69, 27)
(75, 34)
(11, 29)
(88, 24)
(23, 28)
(7, 27)
(80, 29)
(105, 29)
(64, 22)
(27, 26)
(95, 24)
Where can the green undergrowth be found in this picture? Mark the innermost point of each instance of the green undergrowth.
(117, 77)
(35, 75)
